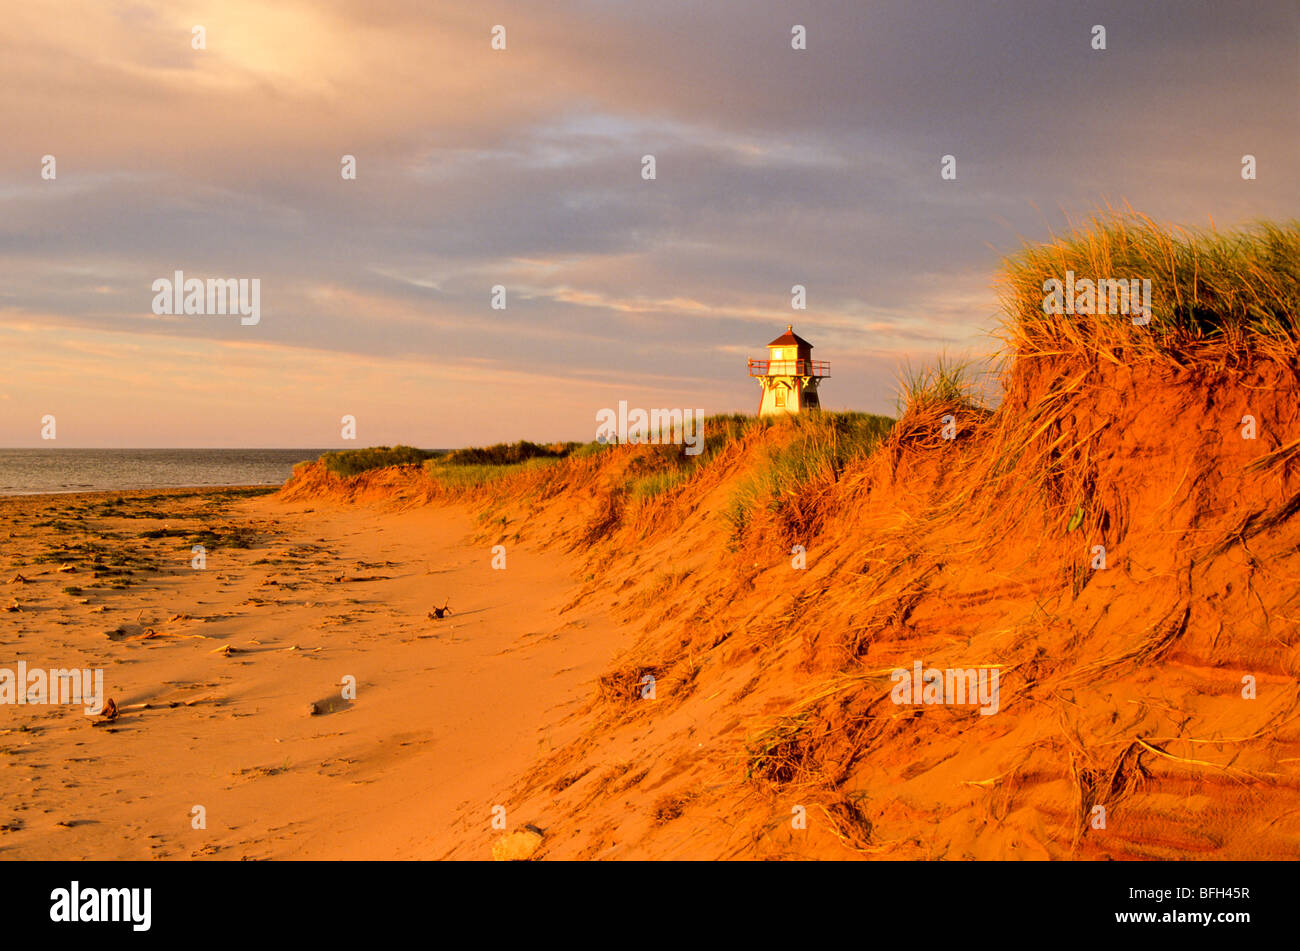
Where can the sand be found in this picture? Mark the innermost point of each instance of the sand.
(1149, 709)
(447, 712)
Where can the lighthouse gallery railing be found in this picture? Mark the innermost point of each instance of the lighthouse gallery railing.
(816, 368)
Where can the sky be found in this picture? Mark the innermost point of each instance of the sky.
(523, 167)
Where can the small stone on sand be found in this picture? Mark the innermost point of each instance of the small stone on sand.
(516, 846)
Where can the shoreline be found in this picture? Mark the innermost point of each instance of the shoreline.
(138, 492)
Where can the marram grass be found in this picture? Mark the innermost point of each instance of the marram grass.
(1214, 295)
(350, 462)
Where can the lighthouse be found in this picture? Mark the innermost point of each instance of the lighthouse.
(789, 376)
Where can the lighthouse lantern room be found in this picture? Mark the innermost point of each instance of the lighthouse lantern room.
(789, 376)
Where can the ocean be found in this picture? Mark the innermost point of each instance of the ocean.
(42, 471)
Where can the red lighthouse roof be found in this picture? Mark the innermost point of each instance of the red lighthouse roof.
(790, 337)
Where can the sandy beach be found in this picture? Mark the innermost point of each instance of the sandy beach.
(646, 656)
(215, 672)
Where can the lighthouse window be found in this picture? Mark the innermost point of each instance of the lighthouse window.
(780, 396)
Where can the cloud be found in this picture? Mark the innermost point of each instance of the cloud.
(523, 168)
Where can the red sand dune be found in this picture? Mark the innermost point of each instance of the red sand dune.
(1120, 688)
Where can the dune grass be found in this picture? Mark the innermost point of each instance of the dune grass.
(473, 476)
(945, 382)
(502, 454)
(475, 467)
(470, 466)
(822, 445)
(657, 483)
(671, 466)
(350, 462)
(1235, 293)
(586, 450)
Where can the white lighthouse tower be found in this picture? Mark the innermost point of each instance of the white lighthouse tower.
(788, 377)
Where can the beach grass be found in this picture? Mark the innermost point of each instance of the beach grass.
(1231, 293)
(472, 476)
(821, 446)
(502, 454)
(350, 462)
(946, 381)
